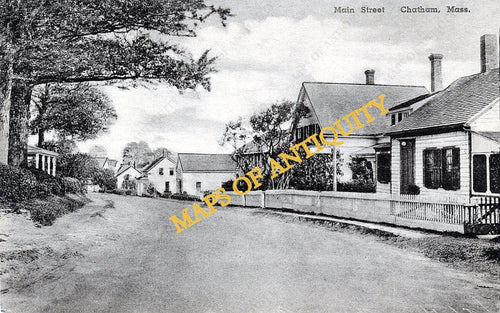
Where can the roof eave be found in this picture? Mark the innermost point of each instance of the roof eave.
(429, 130)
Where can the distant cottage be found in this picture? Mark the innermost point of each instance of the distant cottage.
(197, 173)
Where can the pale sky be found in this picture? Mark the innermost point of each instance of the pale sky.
(270, 47)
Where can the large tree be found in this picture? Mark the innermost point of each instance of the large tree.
(138, 154)
(77, 112)
(44, 41)
(269, 135)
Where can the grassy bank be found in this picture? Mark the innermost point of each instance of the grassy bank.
(45, 211)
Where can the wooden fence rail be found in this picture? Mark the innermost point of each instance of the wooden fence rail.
(434, 210)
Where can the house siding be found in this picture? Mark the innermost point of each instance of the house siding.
(457, 139)
(158, 181)
(489, 121)
(120, 178)
(209, 181)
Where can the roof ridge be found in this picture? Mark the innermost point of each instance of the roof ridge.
(361, 84)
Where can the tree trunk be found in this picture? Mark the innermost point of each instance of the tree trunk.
(41, 137)
(6, 73)
(19, 119)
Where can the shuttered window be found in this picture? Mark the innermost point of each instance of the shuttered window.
(442, 168)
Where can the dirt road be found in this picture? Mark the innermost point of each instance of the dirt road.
(128, 258)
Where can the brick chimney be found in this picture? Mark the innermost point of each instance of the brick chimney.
(436, 76)
(370, 77)
(489, 52)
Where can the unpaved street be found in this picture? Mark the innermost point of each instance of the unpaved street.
(128, 258)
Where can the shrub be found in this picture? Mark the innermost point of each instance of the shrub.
(47, 184)
(208, 192)
(356, 186)
(105, 178)
(167, 194)
(17, 184)
(228, 185)
(121, 192)
(71, 185)
(413, 190)
(185, 197)
(45, 212)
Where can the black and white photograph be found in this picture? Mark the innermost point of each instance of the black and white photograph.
(249, 156)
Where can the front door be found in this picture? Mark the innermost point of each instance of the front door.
(407, 147)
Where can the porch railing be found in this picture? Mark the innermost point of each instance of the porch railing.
(486, 210)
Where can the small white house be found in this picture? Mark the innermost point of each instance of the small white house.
(161, 174)
(126, 177)
(197, 173)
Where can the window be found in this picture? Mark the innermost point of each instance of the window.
(198, 186)
(400, 117)
(451, 168)
(479, 173)
(160, 171)
(393, 119)
(171, 171)
(442, 168)
(495, 173)
(383, 168)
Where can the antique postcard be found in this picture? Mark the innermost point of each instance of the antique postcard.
(249, 156)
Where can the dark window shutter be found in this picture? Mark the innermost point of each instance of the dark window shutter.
(479, 173)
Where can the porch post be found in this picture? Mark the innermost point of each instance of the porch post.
(54, 166)
(37, 160)
(43, 163)
(488, 172)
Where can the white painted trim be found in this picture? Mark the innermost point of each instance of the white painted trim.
(482, 112)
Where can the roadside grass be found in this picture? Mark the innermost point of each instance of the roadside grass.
(459, 251)
(44, 212)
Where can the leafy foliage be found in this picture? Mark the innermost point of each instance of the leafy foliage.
(268, 135)
(138, 153)
(77, 112)
(362, 170)
(71, 41)
(316, 173)
(79, 165)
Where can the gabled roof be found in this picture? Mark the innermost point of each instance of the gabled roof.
(495, 136)
(101, 161)
(112, 163)
(410, 102)
(151, 165)
(455, 105)
(194, 162)
(34, 150)
(124, 167)
(332, 101)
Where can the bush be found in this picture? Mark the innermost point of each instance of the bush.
(228, 185)
(413, 190)
(45, 212)
(105, 178)
(48, 184)
(71, 185)
(356, 186)
(17, 184)
(167, 195)
(184, 197)
(122, 192)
